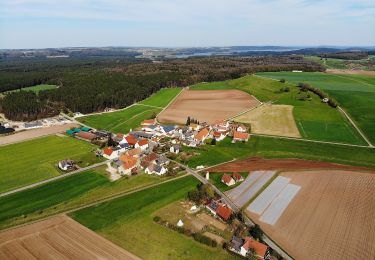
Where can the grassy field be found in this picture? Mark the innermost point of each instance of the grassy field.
(315, 120)
(131, 117)
(32, 161)
(65, 194)
(37, 88)
(269, 147)
(162, 97)
(127, 221)
(355, 93)
(215, 179)
(121, 121)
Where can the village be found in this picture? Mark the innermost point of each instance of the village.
(151, 149)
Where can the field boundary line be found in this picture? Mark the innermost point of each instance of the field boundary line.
(115, 196)
(247, 110)
(355, 126)
(170, 103)
(140, 104)
(52, 179)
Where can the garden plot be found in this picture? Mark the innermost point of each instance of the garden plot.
(253, 183)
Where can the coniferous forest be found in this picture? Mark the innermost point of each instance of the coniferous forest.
(88, 85)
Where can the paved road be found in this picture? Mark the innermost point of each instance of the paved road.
(355, 126)
(53, 179)
(247, 220)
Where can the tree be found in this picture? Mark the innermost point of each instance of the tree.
(188, 121)
(282, 80)
(256, 232)
(213, 142)
(194, 195)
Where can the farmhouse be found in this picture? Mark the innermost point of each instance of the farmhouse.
(134, 152)
(129, 163)
(219, 136)
(131, 140)
(109, 153)
(238, 136)
(143, 144)
(202, 135)
(237, 177)
(227, 180)
(241, 128)
(224, 212)
(261, 250)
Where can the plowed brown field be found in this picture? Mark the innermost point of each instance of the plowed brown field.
(58, 238)
(331, 217)
(207, 106)
(255, 163)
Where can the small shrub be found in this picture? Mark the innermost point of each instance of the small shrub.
(282, 80)
(157, 219)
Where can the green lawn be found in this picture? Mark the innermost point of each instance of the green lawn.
(32, 161)
(37, 88)
(215, 179)
(315, 120)
(355, 93)
(121, 121)
(65, 194)
(269, 147)
(127, 221)
(162, 97)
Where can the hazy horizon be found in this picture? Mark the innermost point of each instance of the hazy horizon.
(38, 24)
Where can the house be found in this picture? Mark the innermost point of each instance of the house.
(128, 164)
(149, 128)
(212, 206)
(219, 136)
(202, 135)
(148, 122)
(236, 244)
(85, 136)
(148, 159)
(237, 177)
(241, 128)
(224, 212)
(66, 165)
(110, 153)
(150, 168)
(261, 250)
(238, 136)
(131, 140)
(228, 180)
(119, 138)
(123, 147)
(160, 170)
(162, 160)
(140, 134)
(167, 129)
(143, 144)
(175, 149)
(135, 152)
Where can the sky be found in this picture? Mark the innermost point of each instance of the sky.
(185, 23)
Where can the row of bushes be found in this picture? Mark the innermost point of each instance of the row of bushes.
(320, 93)
(197, 236)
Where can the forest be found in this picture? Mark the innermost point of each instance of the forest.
(95, 84)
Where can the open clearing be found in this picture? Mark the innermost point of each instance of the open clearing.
(34, 133)
(331, 216)
(128, 222)
(35, 160)
(271, 120)
(36, 88)
(207, 106)
(58, 238)
(355, 93)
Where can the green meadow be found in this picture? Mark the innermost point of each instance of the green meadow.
(128, 222)
(36, 160)
(37, 88)
(65, 194)
(130, 118)
(269, 147)
(162, 97)
(315, 120)
(355, 94)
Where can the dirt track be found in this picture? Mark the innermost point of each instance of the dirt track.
(255, 163)
(58, 238)
(34, 133)
(332, 216)
(207, 105)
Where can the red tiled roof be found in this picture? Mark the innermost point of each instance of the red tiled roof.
(129, 161)
(142, 142)
(202, 134)
(150, 157)
(241, 136)
(226, 178)
(237, 176)
(108, 151)
(131, 139)
(119, 135)
(134, 151)
(217, 134)
(224, 212)
(86, 135)
(148, 122)
(260, 249)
